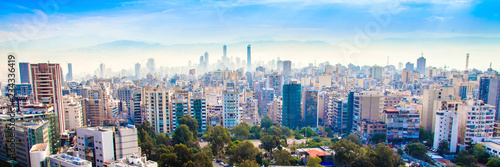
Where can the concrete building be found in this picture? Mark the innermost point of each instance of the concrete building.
(376, 72)
(489, 92)
(476, 121)
(46, 81)
(94, 112)
(429, 103)
(126, 142)
(367, 107)
(39, 154)
(73, 112)
(65, 160)
(275, 109)
(310, 109)
(275, 82)
(421, 65)
(198, 109)
(24, 72)
(158, 113)
(95, 144)
(249, 58)
(369, 128)
(133, 161)
(266, 96)
(180, 107)
(402, 124)
(231, 115)
(138, 71)
(447, 123)
(287, 68)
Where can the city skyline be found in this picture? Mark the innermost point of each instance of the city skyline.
(301, 31)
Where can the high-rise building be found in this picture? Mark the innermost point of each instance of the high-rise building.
(24, 72)
(73, 112)
(137, 107)
(476, 121)
(95, 144)
(367, 107)
(69, 76)
(410, 66)
(231, 115)
(23, 90)
(430, 101)
(311, 109)
(446, 129)
(275, 82)
(94, 112)
(403, 124)
(421, 65)
(46, 82)
(151, 65)
(158, 109)
(198, 109)
(225, 60)
(207, 63)
(287, 68)
(376, 72)
(291, 108)
(249, 58)
(179, 108)
(137, 71)
(102, 70)
(39, 154)
(489, 92)
(266, 96)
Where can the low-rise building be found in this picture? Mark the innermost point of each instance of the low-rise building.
(402, 124)
(64, 160)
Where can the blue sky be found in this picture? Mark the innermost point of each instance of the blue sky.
(76, 24)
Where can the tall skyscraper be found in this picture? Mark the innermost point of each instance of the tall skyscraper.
(102, 70)
(291, 105)
(157, 107)
(225, 60)
(24, 72)
(69, 76)
(489, 92)
(276, 82)
(137, 71)
(421, 65)
(230, 111)
(311, 109)
(198, 109)
(287, 68)
(46, 83)
(376, 72)
(249, 58)
(151, 65)
(410, 66)
(207, 64)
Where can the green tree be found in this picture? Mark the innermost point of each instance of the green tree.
(219, 136)
(241, 152)
(465, 159)
(309, 132)
(241, 131)
(273, 130)
(286, 131)
(383, 156)
(248, 163)
(255, 131)
(329, 131)
(266, 122)
(147, 143)
(208, 151)
(201, 159)
(162, 138)
(354, 138)
(481, 154)
(363, 161)
(269, 142)
(191, 123)
(314, 161)
(444, 147)
(493, 162)
(416, 149)
(182, 135)
(316, 139)
(379, 138)
(282, 157)
(426, 136)
(346, 152)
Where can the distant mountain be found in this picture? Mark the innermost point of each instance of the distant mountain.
(121, 45)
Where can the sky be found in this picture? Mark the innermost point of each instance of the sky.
(363, 32)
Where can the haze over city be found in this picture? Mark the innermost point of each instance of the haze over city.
(122, 33)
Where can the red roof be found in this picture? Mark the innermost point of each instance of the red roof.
(314, 153)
